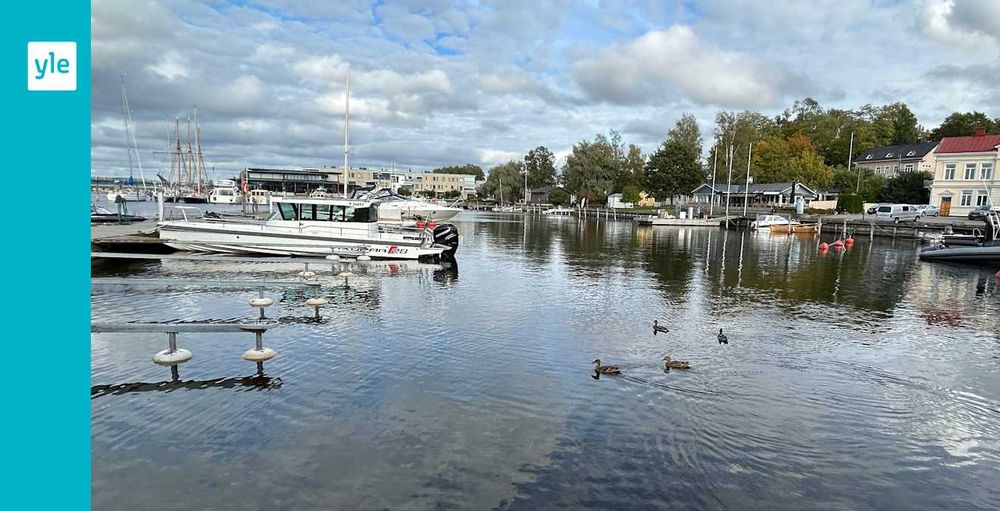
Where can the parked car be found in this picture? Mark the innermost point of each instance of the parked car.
(897, 212)
(928, 210)
(980, 212)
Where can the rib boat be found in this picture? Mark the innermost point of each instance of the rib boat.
(305, 226)
(984, 251)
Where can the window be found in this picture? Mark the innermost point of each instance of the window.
(895, 168)
(287, 211)
(911, 153)
(878, 169)
(888, 155)
(982, 199)
(908, 167)
(868, 157)
(966, 198)
(970, 171)
(986, 171)
(949, 171)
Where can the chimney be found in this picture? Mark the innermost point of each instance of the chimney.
(979, 131)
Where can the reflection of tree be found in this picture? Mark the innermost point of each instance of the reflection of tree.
(671, 259)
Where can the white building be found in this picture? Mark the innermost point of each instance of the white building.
(965, 173)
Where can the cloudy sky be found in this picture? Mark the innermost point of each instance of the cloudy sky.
(451, 82)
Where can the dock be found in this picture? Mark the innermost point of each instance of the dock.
(137, 237)
(683, 222)
(855, 226)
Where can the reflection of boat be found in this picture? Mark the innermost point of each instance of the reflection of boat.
(397, 208)
(765, 221)
(795, 228)
(559, 211)
(313, 227)
(99, 215)
(984, 251)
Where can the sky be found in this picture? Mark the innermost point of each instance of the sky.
(438, 82)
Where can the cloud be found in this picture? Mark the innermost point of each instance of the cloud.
(660, 65)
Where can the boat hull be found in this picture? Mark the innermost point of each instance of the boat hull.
(254, 239)
(795, 229)
(963, 254)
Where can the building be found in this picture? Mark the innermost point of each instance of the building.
(758, 194)
(615, 202)
(332, 178)
(965, 173)
(890, 160)
(541, 195)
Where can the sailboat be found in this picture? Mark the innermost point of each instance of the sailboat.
(187, 169)
(130, 191)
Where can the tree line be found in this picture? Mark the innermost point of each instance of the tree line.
(805, 143)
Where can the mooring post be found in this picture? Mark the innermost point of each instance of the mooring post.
(172, 341)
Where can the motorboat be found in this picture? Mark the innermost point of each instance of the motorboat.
(225, 191)
(394, 207)
(766, 221)
(129, 193)
(319, 193)
(259, 197)
(963, 250)
(795, 228)
(101, 215)
(305, 226)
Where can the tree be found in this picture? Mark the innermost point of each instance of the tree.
(868, 184)
(960, 124)
(631, 194)
(540, 164)
(738, 130)
(780, 160)
(906, 188)
(674, 169)
(593, 169)
(905, 129)
(686, 130)
(558, 197)
(467, 169)
(632, 169)
(505, 181)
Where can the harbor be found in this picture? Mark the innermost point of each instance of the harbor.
(491, 358)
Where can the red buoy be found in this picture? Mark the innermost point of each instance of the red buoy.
(998, 274)
(824, 246)
(420, 224)
(431, 225)
(849, 241)
(838, 244)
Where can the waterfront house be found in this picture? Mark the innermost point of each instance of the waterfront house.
(757, 194)
(890, 160)
(615, 202)
(965, 173)
(541, 195)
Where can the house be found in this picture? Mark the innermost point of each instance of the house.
(965, 173)
(890, 160)
(541, 195)
(757, 194)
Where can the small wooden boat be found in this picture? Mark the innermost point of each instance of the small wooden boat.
(795, 228)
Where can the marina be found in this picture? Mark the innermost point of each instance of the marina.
(410, 357)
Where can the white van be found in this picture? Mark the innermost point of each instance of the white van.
(897, 212)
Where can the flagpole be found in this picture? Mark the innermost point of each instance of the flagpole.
(746, 186)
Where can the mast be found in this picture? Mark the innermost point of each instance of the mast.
(201, 155)
(347, 119)
(178, 154)
(746, 187)
(190, 155)
(715, 163)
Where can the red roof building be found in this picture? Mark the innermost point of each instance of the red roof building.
(978, 143)
(966, 173)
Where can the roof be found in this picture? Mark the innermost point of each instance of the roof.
(756, 188)
(546, 189)
(969, 144)
(897, 152)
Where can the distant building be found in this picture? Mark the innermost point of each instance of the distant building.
(965, 173)
(615, 202)
(332, 179)
(890, 160)
(541, 195)
(758, 194)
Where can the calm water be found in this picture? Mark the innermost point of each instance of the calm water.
(862, 380)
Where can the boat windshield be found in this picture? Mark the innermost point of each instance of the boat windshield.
(327, 212)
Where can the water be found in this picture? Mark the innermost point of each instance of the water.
(861, 380)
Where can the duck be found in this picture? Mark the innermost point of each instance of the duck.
(658, 328)
(675, 364)
(722, 338)
(605, 369)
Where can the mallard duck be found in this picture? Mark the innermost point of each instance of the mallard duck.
(675, 364)
(722, 338)
(605, 369)
(658, 328)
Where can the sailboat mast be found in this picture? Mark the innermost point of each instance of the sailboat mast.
(201, 157)
(190, 155)
(347, 119)
(130, 138)
(178, 154)
(128, 147)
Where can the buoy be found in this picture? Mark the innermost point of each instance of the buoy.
(345, 274)
(420, 224)
(998, 274)
(259, 354)
(824, 246)
(307, 274)
(431, 225)
(261, 302)
(849, 241)
(838, 244)
(316, 303)
(170, 357)
(364, 258)
(333, 257)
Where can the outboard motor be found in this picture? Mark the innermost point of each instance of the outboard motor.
(447, 235)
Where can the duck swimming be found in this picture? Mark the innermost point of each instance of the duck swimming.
(605, 369)
(658, 328)
(722, 338)
(675, 364)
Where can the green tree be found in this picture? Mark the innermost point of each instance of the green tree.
(632, 169)
(905, 129)
(780, 160)
(540, 164)
(686, 130)
(906, 188)
(674, 169)
(867, 184)
(558, 197)
(467, 169)
(505, 181)
(738, 130)
(959, 124)
(594, 168)
(631, 194)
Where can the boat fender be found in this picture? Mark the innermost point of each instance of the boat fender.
(317, 302)
(172, 358)
(259, 355)
(824, 246)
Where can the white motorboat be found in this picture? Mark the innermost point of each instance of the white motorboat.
(300, 226)
(224, 191)
(766, 221)
(397, 208)
(319, 193)
(259, 196)
(129, 193)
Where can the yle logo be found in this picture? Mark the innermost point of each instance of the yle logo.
(52, 66)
